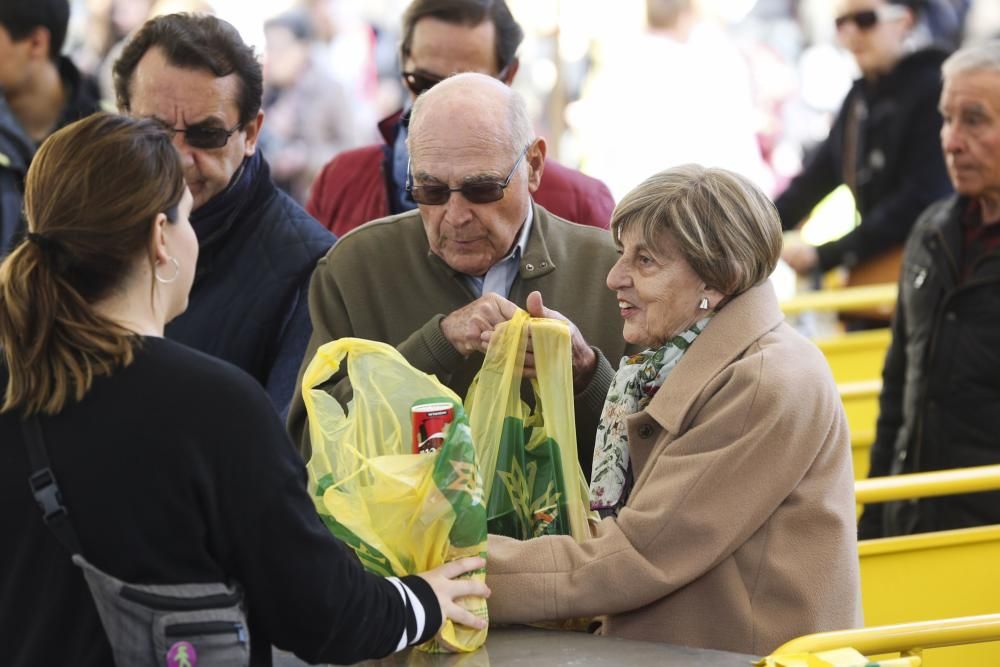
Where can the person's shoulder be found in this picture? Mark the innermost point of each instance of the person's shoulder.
(919, 73)
(381, 238)
(555, 228)
(558, 175)
(345, 165)
(287, 223)
(203, 378)
(571, 192)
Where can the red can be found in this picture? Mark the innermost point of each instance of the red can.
(429, 419)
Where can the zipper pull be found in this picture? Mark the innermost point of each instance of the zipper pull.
(918, 282)
(241, 633)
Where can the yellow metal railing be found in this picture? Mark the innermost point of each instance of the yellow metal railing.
(927, 484)
(847, 298)
(949, 573)
(857, 356)
(905, 638)
(860, 401)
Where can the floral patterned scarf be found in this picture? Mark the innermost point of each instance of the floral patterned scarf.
(638, 379)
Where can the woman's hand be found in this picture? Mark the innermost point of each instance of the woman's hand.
(448, 588)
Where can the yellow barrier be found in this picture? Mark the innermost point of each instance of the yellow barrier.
(847, 298)
(927, 484)
(905, 638)
(861, 405)
(856, 356)
(933, 575)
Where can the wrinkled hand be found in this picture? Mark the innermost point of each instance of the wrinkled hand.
(448, 589)
(464, 328)
(802, 257)
(584, 358)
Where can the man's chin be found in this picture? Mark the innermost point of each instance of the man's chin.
(470, 265)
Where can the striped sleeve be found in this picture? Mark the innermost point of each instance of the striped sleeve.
(423, 613)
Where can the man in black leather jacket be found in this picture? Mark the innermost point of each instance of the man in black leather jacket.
(940, 402)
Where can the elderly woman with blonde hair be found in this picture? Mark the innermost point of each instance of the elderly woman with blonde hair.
(722, 466)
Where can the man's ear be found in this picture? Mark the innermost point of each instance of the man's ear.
(508, 76)
(535, 158)
(253, 134)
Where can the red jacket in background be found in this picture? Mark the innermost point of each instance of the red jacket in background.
(352, 189)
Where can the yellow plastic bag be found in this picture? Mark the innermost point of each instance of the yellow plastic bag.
(402, 513)
(531, 475)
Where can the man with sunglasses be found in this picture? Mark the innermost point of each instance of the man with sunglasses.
(435, 282)
(257, 247)
(883, 144)
(40, 92)
(441, 38)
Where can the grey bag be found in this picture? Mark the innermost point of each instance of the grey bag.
(182, 625)
(178, 625)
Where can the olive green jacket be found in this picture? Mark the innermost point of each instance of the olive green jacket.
(382, 282)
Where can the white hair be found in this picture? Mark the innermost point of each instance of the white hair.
(984, 56)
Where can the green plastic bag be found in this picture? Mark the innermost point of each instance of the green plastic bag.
(531, 475)
(401, 513)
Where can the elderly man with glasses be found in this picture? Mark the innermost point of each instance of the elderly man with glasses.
(441, 38)
(257, 247)
(435, 282)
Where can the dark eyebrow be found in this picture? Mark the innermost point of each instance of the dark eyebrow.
(424, 176)
(210, 123)
(483, 178)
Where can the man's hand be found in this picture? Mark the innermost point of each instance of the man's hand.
(802, 257)
(465, 327)
(584, 357)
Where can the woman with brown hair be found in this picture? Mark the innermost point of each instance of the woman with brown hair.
(722, 463)
(165, 466)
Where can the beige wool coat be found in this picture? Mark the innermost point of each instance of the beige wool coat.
(739, 533)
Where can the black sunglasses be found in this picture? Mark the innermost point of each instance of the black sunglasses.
(419, 81)
(202, 136)
(478, 192)
(864, 20)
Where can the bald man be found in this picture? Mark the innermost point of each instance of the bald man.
(432, 281)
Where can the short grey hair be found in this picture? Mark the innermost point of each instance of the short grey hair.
(519, 130)
(984, 56)
(726, 229)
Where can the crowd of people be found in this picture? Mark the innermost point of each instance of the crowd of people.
(162, 292)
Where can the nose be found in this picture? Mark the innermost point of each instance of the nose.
(951, 138)
(186, 152)
(618, 277)
(457, 210)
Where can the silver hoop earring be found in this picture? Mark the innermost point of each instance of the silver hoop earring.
(703, 304)
(177, 272)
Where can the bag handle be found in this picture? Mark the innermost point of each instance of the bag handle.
(44, 487)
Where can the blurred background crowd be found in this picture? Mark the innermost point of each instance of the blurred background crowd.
(619, 91)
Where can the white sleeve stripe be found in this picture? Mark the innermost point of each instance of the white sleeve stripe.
(418, 611)
(404, 640)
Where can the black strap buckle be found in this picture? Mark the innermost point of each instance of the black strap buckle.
(47, 495)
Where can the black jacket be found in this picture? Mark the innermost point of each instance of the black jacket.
(174, 470)
(249, 301)
(940, 402)
(17, 149)
(900, 168)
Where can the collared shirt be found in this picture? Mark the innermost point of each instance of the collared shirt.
(401, 199)
(501, 275)
(978, 240)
